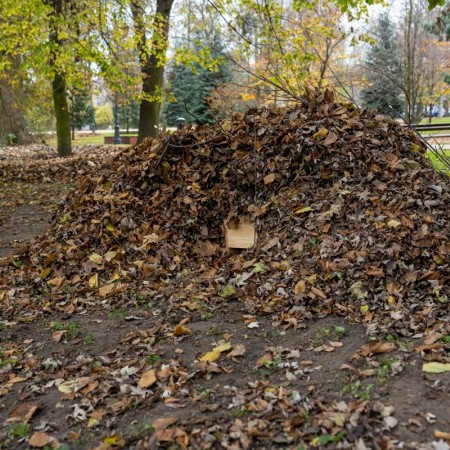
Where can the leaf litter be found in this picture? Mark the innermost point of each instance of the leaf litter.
(347, 227)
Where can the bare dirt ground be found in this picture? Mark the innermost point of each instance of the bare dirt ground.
(134, 377)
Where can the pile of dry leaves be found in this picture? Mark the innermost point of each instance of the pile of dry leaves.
(351, 220)
(40, 163)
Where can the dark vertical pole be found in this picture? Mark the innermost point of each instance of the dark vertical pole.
(117, 139)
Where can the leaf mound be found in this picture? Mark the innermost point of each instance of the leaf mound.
(351, 218)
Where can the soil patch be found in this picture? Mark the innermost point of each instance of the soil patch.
(26, 222)
(292, 371)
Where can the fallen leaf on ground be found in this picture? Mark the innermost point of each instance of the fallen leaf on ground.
(436, 367)
(214, 354)
(377, 347)
(148, 379)
(181, 330)
(21, 413)
(40, 439)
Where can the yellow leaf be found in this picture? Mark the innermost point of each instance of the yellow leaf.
(115, 277)
(303, 210)
(96, 258)
(320, 134)
(214, 355)
(300, 287)
(68, 387)
(436, 367)
(364, 308)
(228, 291)
(92, 422)
(115, 440)
(393, 224)
(2, 294)
(93, 281)
(148, 379)
(181, 330)
(45, 273)
(224, 347)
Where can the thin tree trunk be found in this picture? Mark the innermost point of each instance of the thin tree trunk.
(61, 115)
(13, 128)
(152, 65)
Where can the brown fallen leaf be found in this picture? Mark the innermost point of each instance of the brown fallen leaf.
(377, 347)
(435, 346)
(330, 139)
(264, 359)
(442, 435)
(163, 422)
(148, 379)
(239, 350)
(15, 380)
(106, 290)
(40, 439)
(21, 413)
(181, 330)
(269, 179)
(57, 335)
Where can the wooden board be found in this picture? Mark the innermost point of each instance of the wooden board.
(239, 234)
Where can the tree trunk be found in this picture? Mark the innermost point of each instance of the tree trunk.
(13, 128)
(152, 65)
(61, 115)
(59, 85)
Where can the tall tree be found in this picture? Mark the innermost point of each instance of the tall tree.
(383, 68)
(59, 83)
(80, 110)
(13, 126)
(192, 84)
(152, 58)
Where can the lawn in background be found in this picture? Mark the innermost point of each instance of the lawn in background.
(84, 139)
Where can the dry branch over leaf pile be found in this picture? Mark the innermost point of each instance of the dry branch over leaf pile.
(352, 223)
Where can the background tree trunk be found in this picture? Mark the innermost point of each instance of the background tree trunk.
(62, 116)
(59, 85)
(152, 62)
(13, 126)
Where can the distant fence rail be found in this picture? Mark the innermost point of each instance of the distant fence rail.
(434, 129)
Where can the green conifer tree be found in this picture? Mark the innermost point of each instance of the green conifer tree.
(383, 69)
(191, 84)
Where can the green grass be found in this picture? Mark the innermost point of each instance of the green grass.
(435, 120)
(436, 163)
(85, 139)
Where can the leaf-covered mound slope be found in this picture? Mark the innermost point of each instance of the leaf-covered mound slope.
(40, 163)
(350, 218)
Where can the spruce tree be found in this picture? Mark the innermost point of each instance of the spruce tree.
(190, 85)
(384, 68)
(81, 111)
